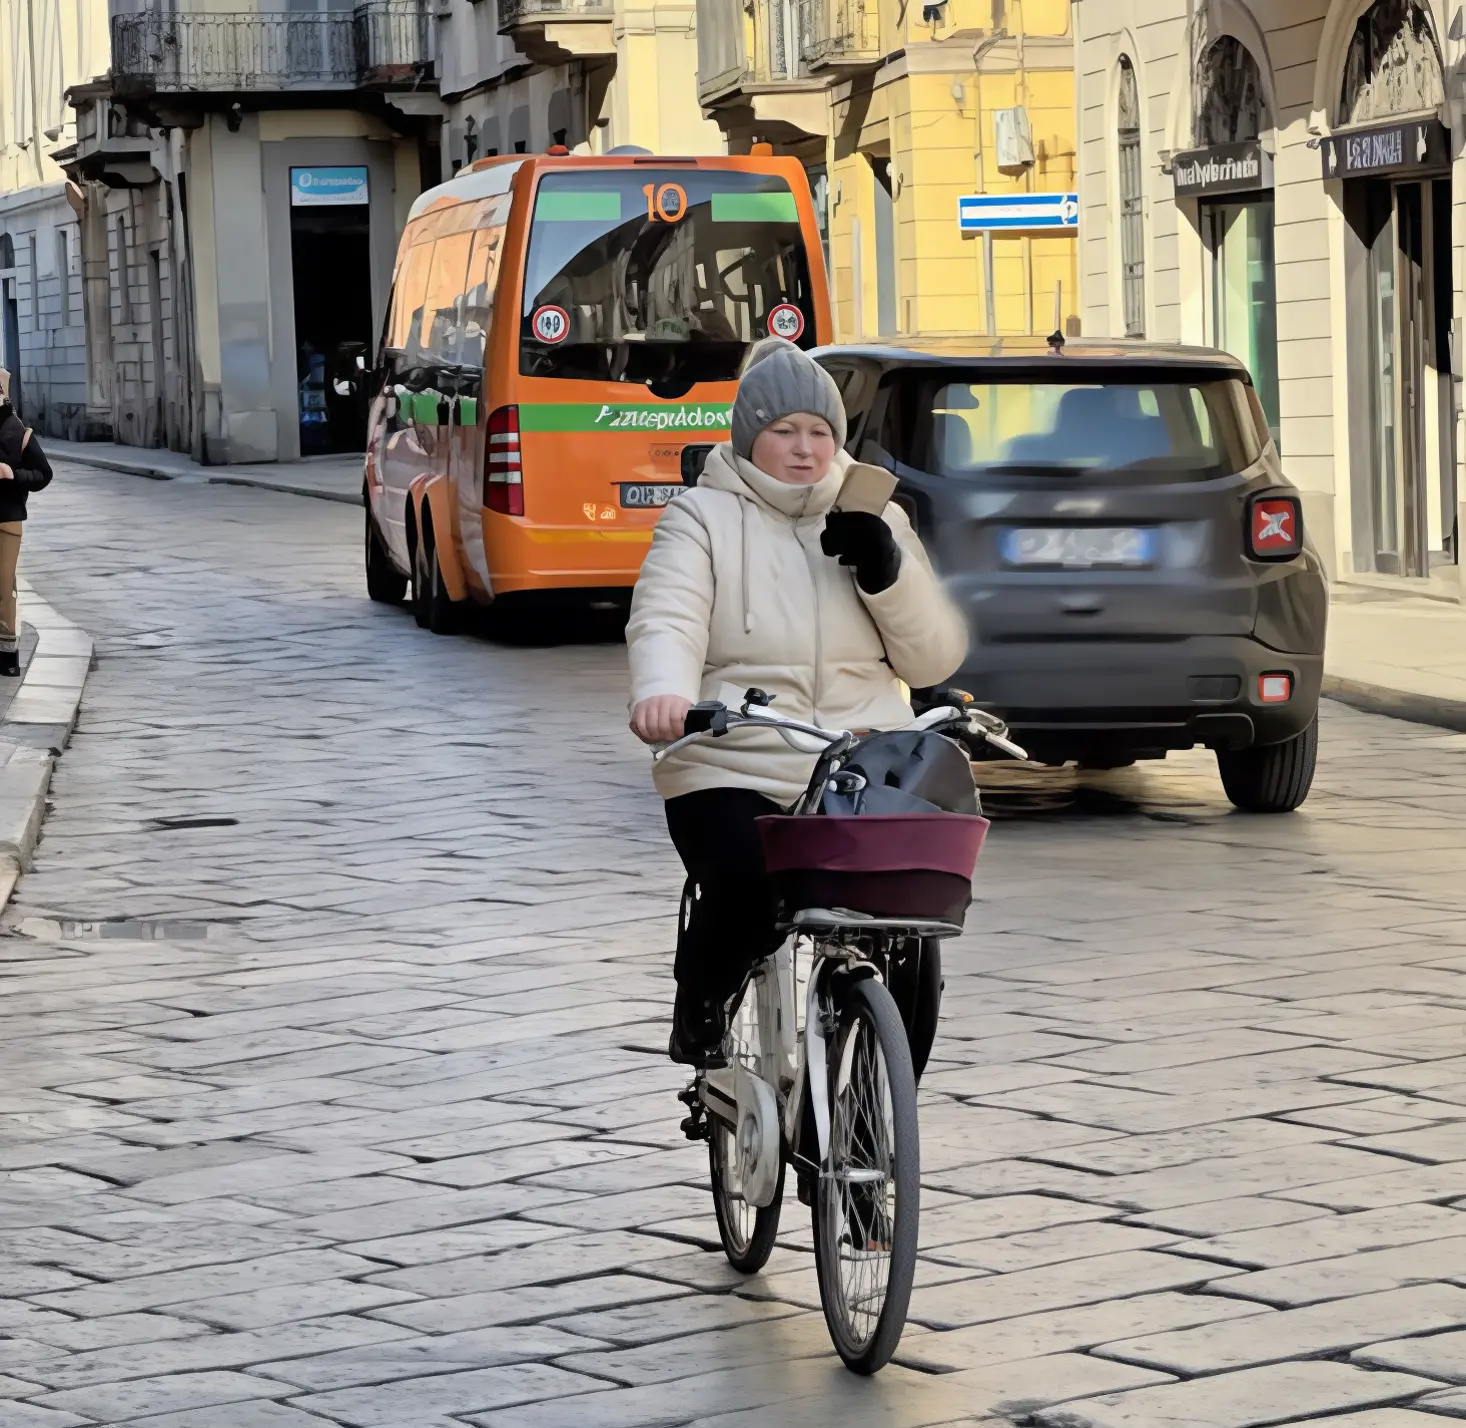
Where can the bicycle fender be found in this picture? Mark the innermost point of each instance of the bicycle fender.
(817, 1079)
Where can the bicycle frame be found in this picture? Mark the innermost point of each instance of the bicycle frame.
(793, 1066)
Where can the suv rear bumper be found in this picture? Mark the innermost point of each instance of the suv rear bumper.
(1101, 700)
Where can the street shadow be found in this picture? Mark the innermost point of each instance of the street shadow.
(548, 624)
(1169, 791)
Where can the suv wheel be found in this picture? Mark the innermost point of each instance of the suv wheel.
(1274, 778)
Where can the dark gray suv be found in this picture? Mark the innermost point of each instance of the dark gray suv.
(1116, 521)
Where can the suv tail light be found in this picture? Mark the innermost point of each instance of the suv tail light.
(1274, 527)
(503, 471)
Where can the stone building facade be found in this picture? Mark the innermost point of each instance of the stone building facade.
(1287, 179)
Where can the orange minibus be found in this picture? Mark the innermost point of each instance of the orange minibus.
(560, 353)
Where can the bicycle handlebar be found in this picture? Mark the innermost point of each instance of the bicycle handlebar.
(712, 719)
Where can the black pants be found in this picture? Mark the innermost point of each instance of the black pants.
(728, 922)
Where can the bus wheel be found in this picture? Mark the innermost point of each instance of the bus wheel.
(385, 583)
(432, 607)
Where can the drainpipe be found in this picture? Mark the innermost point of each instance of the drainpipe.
(979, 53)
(30, 27)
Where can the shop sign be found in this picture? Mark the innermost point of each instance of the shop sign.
(1224, 168)
(1418, 143)
(327, 187)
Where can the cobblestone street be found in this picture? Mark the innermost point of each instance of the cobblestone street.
(334, 1080)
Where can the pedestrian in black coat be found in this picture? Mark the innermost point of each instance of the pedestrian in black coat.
(23, 469)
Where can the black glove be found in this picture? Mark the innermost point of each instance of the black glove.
(864, 541)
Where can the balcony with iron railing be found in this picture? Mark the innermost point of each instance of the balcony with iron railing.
(553, 31)
(380, 44)
(839, 34)
(747, 46)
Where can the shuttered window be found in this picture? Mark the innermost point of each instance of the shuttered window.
(1132, 230)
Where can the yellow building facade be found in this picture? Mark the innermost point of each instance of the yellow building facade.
(895, 111)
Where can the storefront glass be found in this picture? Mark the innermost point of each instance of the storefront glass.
(1244, 295)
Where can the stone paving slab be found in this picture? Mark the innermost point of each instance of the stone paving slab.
(344, 1101)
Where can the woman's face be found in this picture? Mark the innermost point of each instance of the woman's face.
(796, 449)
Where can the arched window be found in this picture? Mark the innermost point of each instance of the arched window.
(1132, 221)
(1229, 104)
(1393, 66)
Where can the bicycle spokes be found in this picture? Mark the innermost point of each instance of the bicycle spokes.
(861, 1179)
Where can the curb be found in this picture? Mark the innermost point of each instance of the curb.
(1430, 709)
(36, 728)
(163, 473)
(260, 485)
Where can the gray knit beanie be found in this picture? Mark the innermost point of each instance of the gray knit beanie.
(779, 380)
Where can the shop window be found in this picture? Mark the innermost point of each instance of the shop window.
(1244, 294)
(1393, 65)
(1132, 229)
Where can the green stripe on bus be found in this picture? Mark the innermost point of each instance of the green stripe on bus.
(682, 417)
(754, 208)
(577, 206)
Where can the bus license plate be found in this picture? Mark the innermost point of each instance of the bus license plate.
(1127, 547)
(647, 496)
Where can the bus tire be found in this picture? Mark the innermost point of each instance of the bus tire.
(385, 583)
(432, 607)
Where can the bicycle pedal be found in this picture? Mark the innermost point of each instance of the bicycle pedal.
(689, 1096)
(695, 1128)
(805, 1191)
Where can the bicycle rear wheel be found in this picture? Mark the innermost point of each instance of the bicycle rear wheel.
(867, 1205)
(747, 1232)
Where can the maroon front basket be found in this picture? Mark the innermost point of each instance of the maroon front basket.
(897, 865)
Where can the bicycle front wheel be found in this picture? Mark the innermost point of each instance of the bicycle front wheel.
(868, 1204)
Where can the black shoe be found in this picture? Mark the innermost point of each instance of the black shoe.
(698, 1028)
(10, 663)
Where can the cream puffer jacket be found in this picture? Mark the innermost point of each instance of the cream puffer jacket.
(735, 593)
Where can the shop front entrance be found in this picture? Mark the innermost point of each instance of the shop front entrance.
(1404, 440)
(330, 246)
(1413, 500)
(1230, 179)
(1244, 314)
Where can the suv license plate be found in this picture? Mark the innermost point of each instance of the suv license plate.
(1128, 547)
(647, 496)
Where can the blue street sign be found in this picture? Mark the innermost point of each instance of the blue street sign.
(314, 188)
(1030, 212)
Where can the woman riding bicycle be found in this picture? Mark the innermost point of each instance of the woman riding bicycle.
(753, 579)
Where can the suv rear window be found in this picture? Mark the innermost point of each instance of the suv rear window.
(1189, 429)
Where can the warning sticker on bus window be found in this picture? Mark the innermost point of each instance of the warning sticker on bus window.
(786, 321)
(552, 324)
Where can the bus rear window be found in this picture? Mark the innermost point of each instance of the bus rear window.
(660, 275)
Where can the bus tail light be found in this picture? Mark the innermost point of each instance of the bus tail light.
(503, 470)
(1274, 527)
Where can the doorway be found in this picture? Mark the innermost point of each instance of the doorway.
(885, 223)
(1244, 300)
(1411, 471)
(330, 255)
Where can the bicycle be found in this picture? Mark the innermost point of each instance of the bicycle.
(832, 1093)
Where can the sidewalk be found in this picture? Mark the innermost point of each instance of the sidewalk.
(1398, 654)
(328, 478)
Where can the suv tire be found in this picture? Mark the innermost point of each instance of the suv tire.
(1274, 778)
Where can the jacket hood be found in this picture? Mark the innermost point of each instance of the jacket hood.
(725, 470)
